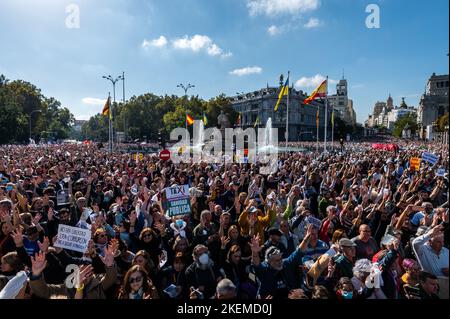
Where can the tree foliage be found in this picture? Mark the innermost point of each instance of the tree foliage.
(410, 119)
(18, 99)
(147, 115)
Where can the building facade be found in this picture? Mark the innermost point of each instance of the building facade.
(434, 103)
(342, 105)
(259, 105)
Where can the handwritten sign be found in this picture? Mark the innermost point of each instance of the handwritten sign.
(178, 200)
(73, 238)
(414, 162)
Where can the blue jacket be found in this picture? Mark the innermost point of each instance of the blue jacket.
(279, 283)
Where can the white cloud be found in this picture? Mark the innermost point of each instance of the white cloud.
(246, 71)
(312, 82)
(273, 30)
(196, 43)
(93, 101)
(159, 43)
(312, 23)
(277, 7)
(200, 43)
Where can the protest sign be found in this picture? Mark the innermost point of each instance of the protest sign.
(178, 200)
(62, 197)
(414, 162)
(430, 158)
(441, 172)
(73, 238)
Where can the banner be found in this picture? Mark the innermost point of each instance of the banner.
(73, 238)
(178, 200)
(385, 147)
(430, 158)
(414, 163)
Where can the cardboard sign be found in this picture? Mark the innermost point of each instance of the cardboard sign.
(430, 158)
(414, 163)
(441, 172)
(178, 200)
(73, 238)
(62, 197)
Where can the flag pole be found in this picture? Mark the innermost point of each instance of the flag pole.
(332, 129)
(110, 126)
(287, 112)
(326, 119)
(317, 127)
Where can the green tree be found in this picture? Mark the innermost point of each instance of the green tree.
(410, 119)
(442, 122)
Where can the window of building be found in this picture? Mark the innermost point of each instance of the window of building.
(341, 102)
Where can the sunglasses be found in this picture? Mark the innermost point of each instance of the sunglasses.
(102, 235)
(135, 279)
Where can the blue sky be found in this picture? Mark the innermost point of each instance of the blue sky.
(162, 43)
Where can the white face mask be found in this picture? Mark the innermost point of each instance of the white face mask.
(203, 259)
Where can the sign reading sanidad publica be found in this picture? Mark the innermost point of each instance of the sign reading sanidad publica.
(178, 200)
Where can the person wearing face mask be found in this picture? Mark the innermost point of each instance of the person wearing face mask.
(202, 274)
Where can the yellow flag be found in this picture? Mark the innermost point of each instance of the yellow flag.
(284, 92)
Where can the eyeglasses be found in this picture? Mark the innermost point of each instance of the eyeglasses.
(102, 235)
(135, 279)
(147, 235)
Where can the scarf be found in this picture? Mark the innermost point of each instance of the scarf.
(136, 295)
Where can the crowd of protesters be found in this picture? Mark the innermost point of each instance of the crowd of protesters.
(355, 223)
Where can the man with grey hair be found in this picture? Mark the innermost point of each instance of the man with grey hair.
(226, 289)
(276, 276)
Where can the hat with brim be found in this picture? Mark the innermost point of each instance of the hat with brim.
(345, 242)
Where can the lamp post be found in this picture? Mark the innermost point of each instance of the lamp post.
(35, 111)
(113, 81)
(185, 88)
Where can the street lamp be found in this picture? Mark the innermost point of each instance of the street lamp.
(113, 81)
(35, 111)
(185, 88)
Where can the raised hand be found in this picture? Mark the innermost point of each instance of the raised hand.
(254, 245)
(86, 272)
(57, 249)
(5, 217)
(133, 217)
(44, 245)
(38, 264)
(50, 214)
(224, 240)
(37, 218)
(110, 252)
(17, 236)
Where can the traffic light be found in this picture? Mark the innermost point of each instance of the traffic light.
(161, 140)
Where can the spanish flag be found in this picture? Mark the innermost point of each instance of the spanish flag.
(284, 92)
(189, 119)
(107, 108)
(205, 120)
(319, 92)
